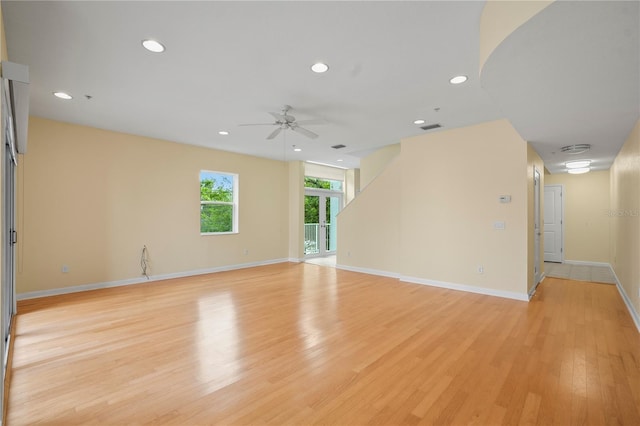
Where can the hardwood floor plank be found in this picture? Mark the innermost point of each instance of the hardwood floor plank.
(305, 344)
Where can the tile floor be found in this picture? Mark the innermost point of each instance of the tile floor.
(598, 274)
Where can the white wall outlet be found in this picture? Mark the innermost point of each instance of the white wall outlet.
(480, 269)
(246, 252)
(499, 224)
(65, 269)
(348, 254)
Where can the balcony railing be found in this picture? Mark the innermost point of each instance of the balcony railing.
(312, 238)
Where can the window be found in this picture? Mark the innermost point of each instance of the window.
(218, 203)
(319, 183)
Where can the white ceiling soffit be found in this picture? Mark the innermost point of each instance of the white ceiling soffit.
(228, 63)
(571, 75)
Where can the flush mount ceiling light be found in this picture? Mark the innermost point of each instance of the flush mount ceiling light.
(419, 121)
(575, 149)
(458, 79)
(296, 149)
(319, 67)
(153, 46)
(577, 164)
(340, 160)
(62, 95)
(223, 132)
(579, 171)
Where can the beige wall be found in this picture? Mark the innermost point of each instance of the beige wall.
(296, 210)
(586, 224)
(437, 203)
(534, 162)
(625, 217)
(373, 164)
(92, 198)
(369, 227)
(451, 185)
(351, 185)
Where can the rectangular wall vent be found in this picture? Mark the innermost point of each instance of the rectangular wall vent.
(338, 146)
(430, 126)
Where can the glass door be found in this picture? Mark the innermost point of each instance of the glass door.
(320, 223)
(7, 233)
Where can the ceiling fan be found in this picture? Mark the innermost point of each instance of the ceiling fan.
(285, 121)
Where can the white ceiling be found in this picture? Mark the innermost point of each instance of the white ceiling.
(229, 63)
(571, 75)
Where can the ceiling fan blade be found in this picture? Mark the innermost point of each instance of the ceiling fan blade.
(278, 117)
(274, 133)
(318, 121)
(307, 133)
(258, 124)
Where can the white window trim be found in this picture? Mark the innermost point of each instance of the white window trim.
(234, 203)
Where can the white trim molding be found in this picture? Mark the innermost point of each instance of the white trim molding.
(369, 271)
(587, 263)
(468, 288)
(535, 287)
(140, 280)
(627, 301)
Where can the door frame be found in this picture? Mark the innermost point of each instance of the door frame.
(537, 228)
(323, 194)
(8, 217)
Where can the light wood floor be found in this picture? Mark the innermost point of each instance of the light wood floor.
(306, 344)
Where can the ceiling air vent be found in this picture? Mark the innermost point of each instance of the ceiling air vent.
(576, 149)
(430, 126)
(338, 146)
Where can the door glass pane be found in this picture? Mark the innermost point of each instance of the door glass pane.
(332, 210)
(311, 224)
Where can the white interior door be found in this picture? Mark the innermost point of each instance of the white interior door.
(553, 226)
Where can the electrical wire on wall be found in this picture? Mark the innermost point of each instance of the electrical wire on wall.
(144, 261)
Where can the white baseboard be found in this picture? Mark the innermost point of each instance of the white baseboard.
(627, 301)
(140, 280)
(468, 288)
(535, 287)
(369, 271)
(586, 263)
(295, 260)
(452, 286)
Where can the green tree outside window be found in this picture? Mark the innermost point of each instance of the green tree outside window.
(217, 202)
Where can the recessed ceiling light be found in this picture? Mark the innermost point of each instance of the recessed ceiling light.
(579, 171)
(62, 95)
(419, 121)
(577, 164)
(297, 149)
(458, 79)
(319, 67)
(223, 132)
(340, 160)
(153, 46)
